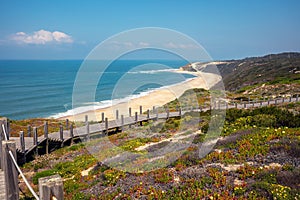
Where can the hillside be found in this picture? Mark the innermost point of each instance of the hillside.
(256, 157)
(273, 68)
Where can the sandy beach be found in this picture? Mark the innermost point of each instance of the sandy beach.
(156, 98)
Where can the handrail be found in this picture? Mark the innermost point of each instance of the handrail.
(18, 168)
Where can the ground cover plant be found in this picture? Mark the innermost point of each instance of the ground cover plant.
(256, 157)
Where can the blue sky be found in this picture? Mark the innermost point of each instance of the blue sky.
(56, 29)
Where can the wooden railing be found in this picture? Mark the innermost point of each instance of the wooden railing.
(14, 151)
(49, 187)
(28, 147)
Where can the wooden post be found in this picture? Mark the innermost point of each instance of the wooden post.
(156, 112)
(29, 131)
(129, 112)
(35, 140)
(35, 136)
(46, 129)
(7, 129)
(141, 110)
(46, 136)
(51, 187)
(179, 111)
(67, 124)
(71, 131)
(61, 132)
(136, 117)
(148, 114)
(282, 99)
(10, 171)
(122, 122)
(268, 102)
(22, 141)
(290, 99)
(261, 104)
(297, 97)
(106, 125)
(117, 114)
(168, 113)
(235, 104)
(102, 117)
(87, 127)
(4, 121)
(245, 105)
(2, 137)
(275, 101)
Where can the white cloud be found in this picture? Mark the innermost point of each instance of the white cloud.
(144, 44)
(42, 37)
(180, 46)
(127, 45)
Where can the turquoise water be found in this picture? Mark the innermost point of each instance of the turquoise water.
(30, 89)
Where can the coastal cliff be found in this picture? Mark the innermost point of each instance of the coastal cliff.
(236, 74)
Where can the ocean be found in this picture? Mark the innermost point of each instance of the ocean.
(44, 88)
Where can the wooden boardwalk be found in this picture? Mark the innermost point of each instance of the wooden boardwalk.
(83, 132)
(32, 145)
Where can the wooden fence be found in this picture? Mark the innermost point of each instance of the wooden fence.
(49, 187)
(14, 151)
(28, 147)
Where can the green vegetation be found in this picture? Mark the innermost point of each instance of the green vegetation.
(257, 156)
(190, 98)
(271, 69)
(67, 169)
(22, 125)
(253, 138)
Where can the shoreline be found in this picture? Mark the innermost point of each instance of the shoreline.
(157, 98)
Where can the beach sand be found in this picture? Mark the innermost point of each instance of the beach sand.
(155, 98)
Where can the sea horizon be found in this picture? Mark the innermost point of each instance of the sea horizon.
(43, 88)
